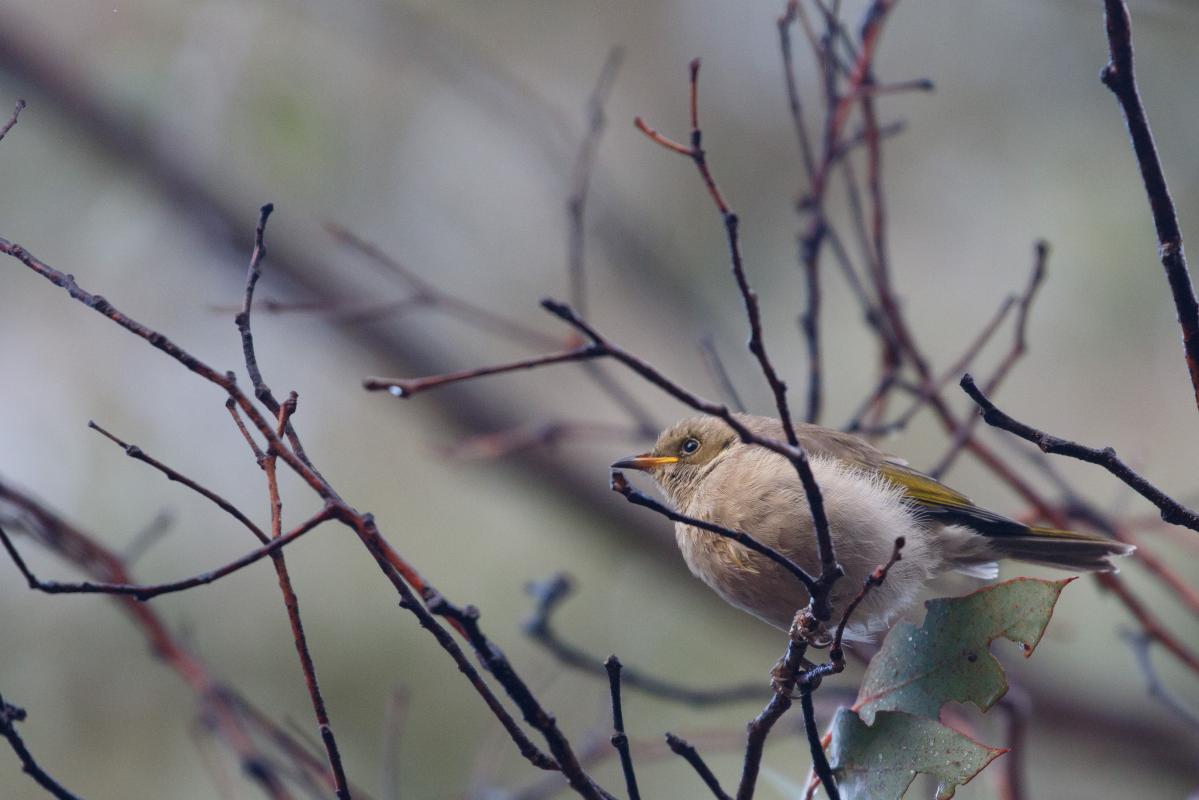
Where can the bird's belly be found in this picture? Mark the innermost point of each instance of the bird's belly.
(741, 577)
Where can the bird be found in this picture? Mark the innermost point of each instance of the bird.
(870, 499)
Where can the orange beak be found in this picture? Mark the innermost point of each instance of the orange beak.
(644, 462)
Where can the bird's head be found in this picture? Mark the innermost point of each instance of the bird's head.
(683, 455)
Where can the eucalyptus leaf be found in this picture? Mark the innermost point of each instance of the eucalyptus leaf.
(948, 658)
(880, 761)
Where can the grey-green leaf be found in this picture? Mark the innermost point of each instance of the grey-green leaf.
(948, 658)
(880, 761)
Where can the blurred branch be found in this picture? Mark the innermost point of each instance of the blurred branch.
(218, 703)
(1140, 643)
(1117, 75)
(499, 444)
(549, 594)
(720, 376)
(12, 120)
(1017, 351)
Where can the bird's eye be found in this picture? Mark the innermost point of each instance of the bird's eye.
(690, 446)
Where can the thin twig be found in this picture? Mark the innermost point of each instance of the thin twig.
(1172, 511)
(621, 486)
(620, 740)
(535, 715)
(1118, 76)
(147, 591)
(681, 747)
(953, 371)
(12, 120)
(408, 387)
(136, 453)
(9, 716)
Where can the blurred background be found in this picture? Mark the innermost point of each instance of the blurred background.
(446, 132)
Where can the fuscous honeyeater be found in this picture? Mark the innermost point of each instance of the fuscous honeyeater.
(870, 498)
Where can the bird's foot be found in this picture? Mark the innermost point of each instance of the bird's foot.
(806, 629)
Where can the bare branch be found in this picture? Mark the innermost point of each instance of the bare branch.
(692, 757)
(1172, 511)
(9, 715)
(147, 591)
(1118, 76)
(621, 486)
(619, 739)
(408, 387)
(12, 120)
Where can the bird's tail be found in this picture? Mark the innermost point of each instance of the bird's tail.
(1082, 552)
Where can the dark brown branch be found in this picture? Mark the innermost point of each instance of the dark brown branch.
(809, 679)
(873, 581)
(1118, 76)
(494, 660)
(10, 715)
(620, 739)
(408, 387)
(759, 728)
(549, 594)
(147, 591)
(621, 486)
(399, 573)
(12, 120)
(750, 298)
(136, 453)
(292, 603)
(682, 748)
(820, 765)
(1172, 511)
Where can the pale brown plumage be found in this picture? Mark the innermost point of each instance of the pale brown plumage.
(870, 499)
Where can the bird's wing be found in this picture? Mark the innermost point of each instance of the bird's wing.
(934, 499)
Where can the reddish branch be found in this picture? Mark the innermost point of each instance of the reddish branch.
(403, 577)
(406, 388)
(82, 550)
(1017, 351)
(1118, 76)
